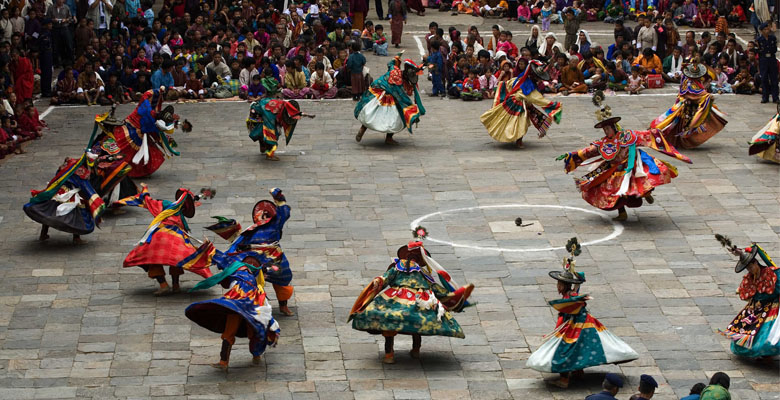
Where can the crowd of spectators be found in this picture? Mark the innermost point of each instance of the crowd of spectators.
(649, 54)
(107, 51)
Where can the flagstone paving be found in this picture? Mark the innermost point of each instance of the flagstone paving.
(74, 324)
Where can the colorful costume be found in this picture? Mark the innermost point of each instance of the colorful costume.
(392, 102)
(243, 311)
(693, 118)
(754, 331)
(414, 296)
(144, 137)
(267, 117)
(167, 240)
(625, 174)
(579, 340)
(111, 178)
(764, 143)
(513, 108)
(69, 203)
(259, 245)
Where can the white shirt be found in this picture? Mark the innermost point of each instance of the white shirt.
(315, 77)
(101, 12)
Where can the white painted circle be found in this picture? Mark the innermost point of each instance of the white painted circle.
(617, 227)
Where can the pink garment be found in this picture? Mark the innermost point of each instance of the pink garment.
(524, 11)
(324, 94)
(289, 94)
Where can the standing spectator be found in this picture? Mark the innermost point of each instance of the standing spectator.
(718, 389)
(82, 36)
(397, 10)
(17, 22)
(355, 64)
(62, 45)
(45, 57)
(436, 67)
(647, 38)
(6, 26)
(647, 386)
(571, 25)
(21, 67)
(359, 8)
(695, 393)
(767, 63)
(100, 14)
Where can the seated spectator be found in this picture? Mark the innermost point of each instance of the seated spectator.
(179, 80)
(162, 77)
(647, 387)
(617, 79)
(705, 17)
(90, 87)
(115, 91)
(29, 122)
(142, 85)
(635, 85)
(695, 392)
(471, 89)
(673, 66)
(523, 12)
(743, 83)
(194, 87)
(720, 84)
(255, 90)
(367, 36)
(141, 59)
(684, 15)
(248, 70)
(572, 79)
(718, 388)
(648, 63)
(295, 82)
(9, 144)
(488, 83)
(66, 89)
(321, 82)
(217, 70)
(380, 41)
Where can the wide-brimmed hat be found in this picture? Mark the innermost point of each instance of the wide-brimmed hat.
(746, 258)
(189, 202)
(567, 276)
(540, 72)
(607, 122)
(695, 70)
(263, 212)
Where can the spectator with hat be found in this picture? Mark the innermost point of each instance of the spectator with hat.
(611, 385)
(647, 386)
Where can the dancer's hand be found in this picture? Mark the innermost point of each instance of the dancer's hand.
(561, 157)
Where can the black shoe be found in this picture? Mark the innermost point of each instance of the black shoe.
(764, 101)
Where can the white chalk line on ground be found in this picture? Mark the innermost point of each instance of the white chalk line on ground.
(46, 112)
(616, 226)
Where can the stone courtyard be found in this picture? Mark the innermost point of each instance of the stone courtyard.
(75, 324)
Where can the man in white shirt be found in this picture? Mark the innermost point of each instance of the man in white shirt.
(100, 13)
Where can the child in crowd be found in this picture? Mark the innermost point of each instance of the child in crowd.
(720, 85)
(255, 90)
(355, 64)
(322, 83)
(367, 36)
(634, 81)
(546, 15)
(29, 122)
(524, 13)
(9, 143)
(471, 89)
(743, 83)
(194, 86)
(616, 78)
(380, 41)
(436, 68)
(488, 83)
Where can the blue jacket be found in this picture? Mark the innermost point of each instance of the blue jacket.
(162, 79)
(601, 396)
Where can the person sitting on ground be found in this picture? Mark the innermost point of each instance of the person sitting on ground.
(380, 41)
(647, 386)
(635, 85)
(695, 393)
(616, 78)
(66, 89)
(471, 90)
(321, 82)
(194, 86)
(648, 63)
(718, 389)
(572, 79)
(673, 66)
